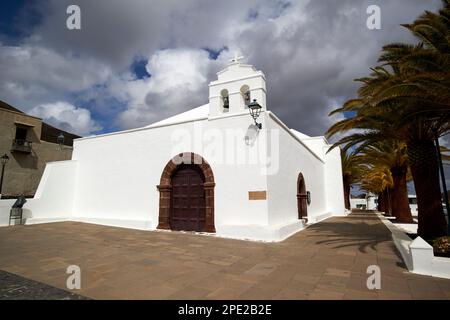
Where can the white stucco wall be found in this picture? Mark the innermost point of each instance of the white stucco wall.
(54, 197)
(112, 178)
(334, 185)
(369, 203)
(294, 158)
(316, 145)
(121, 183)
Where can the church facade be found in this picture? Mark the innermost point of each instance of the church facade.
(213, 169)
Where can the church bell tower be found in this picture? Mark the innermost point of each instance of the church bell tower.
(236, 86)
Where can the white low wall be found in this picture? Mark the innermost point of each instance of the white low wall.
(418, 254)
(53, 200)
(260, 233)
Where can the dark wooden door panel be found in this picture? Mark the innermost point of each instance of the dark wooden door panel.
(302, 198)
(188, 200)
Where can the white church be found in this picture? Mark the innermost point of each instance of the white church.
(229, 168)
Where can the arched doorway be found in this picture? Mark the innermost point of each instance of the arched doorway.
(302, 198)
(186, 200)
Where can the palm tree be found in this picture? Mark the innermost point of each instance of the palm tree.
(384, 201)
(378, 180)
(392, 155)
(379, 119)
(424, 87)
(427, 65)
(351, 168)
(407, 98)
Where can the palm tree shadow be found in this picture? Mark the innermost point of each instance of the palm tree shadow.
(360, 231)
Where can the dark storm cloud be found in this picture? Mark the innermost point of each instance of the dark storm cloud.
(311, 64)
(310, 52)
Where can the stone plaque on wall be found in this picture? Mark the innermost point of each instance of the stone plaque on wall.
(257, 195)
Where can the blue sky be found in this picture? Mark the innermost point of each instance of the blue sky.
(9, 18)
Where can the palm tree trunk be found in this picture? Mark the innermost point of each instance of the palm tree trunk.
(425, 171)
(380, 202)
(389, 201)
(399, 196)
(347, 195)
(384, 202)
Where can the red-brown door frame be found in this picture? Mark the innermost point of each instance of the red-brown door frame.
(165, 189)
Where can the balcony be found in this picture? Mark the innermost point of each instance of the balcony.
(19, 145)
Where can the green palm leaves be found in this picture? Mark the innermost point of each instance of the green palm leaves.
(402, 106)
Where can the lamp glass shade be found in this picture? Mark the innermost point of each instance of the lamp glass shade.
(4, 159)
(60, 138)
(255, 109)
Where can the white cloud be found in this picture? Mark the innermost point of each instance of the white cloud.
(32, 74)
(309, 50)
(177, 69)
(67, 117)
(179, 81)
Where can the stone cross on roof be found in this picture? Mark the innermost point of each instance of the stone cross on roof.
(236, 58)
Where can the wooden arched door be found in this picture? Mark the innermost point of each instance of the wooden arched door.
(302, 198)
(187, 209)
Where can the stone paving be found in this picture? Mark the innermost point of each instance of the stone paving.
(14, 287)
(328, 260)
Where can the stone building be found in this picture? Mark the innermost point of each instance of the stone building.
(29, 143)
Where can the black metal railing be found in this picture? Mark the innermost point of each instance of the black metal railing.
(20, 145)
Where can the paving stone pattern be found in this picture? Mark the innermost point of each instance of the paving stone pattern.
(328, 260)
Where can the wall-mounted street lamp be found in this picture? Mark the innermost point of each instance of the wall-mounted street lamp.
(255, 111)
(61, 139)
(3, 160)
